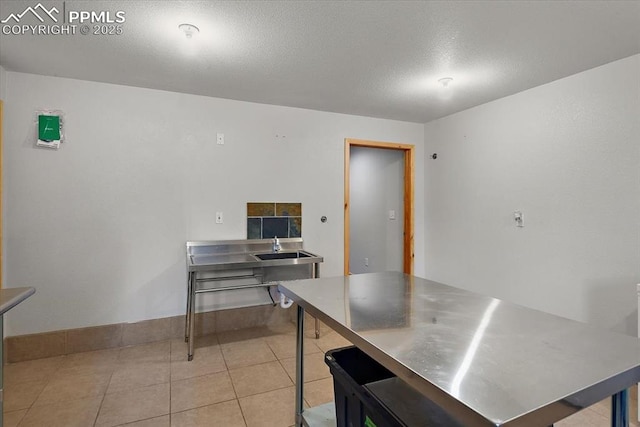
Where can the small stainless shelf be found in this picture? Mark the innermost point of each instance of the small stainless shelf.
(221, 278)
(320, 416)
(235, 287)
(233, 306)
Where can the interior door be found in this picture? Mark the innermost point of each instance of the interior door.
(378, 207)
(376, 210)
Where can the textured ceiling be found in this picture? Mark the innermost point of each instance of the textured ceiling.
(378, 59)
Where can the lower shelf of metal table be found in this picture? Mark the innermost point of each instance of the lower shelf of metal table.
(320, 416)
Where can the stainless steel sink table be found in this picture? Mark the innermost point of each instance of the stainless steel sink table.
(485, 361)
(245, 264)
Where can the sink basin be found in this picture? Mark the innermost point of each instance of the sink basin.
(282, 255)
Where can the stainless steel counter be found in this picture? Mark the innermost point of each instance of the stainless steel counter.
(208, 256)
(9, 298)
(483, 360)
(241, 261)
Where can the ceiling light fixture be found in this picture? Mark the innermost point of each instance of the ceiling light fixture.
(445, 81)
(189, 30)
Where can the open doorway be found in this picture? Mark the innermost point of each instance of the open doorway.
(363, 151)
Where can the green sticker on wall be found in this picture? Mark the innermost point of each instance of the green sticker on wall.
(48, 128)
(368, 422)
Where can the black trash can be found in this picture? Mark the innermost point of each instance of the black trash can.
(355, 407)
(369, 395)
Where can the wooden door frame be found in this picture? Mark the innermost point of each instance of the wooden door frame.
(409, 173)
(1, 183)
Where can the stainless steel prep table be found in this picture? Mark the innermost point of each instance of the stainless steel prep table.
(486, 361)
(233, 255)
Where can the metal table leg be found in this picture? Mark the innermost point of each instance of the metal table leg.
(1, 368)
(299, 366)
(316, 275)
(192, 315)
(620, 409)
(187, 316)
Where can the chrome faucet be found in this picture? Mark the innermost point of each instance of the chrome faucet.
(276, 245)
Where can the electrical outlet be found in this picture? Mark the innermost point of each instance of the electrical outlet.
(218, 217)
(220, 139)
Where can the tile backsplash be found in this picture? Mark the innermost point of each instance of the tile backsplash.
(268, 220)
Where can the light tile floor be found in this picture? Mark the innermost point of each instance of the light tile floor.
(243, 378)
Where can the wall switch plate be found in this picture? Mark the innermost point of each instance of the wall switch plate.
(220, 139)
(517, 215)
(366, 262)
(392, 214)
(218, 217)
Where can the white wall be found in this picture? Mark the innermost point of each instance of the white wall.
(99, 227)
(567, 154)
(376, 178)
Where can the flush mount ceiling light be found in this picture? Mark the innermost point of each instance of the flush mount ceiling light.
(189, 30)
(445, 81)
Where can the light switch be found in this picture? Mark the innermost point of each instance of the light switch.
(218, 217)
(392, 214)
(517, 215)
(220, 139)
